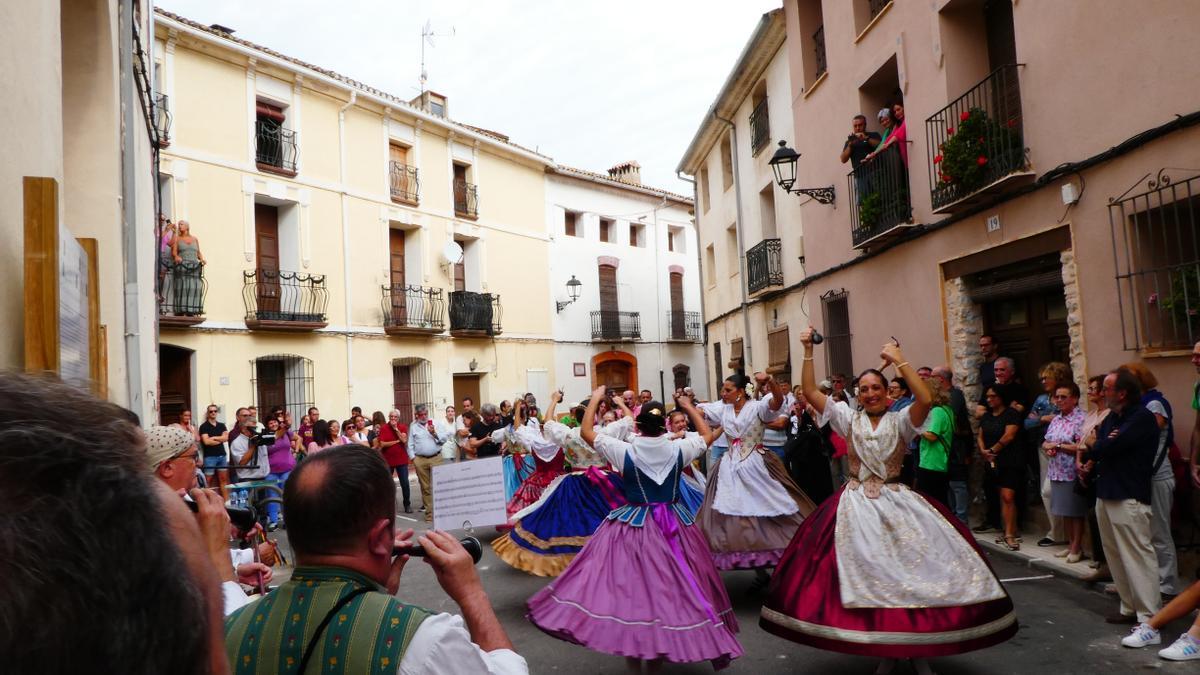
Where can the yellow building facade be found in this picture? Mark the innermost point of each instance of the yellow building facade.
(359, 249)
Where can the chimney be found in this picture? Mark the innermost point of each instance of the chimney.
(221, 29)
(627, 172)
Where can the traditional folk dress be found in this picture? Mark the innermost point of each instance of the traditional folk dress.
(548, 534)
(880, 570)
(644, 586)
(516, 462)
(548, 463)
(751, 505)
(691, 487)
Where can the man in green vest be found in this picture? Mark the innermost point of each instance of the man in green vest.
(338, 613)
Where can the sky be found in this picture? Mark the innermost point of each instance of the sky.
(589, 83)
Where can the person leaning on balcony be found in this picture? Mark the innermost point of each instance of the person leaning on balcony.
(899, 132)
(860, 142)
(185, 251)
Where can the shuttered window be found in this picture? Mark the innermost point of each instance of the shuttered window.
(779, 361)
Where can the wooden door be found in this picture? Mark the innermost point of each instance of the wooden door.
(402, 392)
(610, 319)
(460, 275)
(175, 383)
(398, 154)
(678, 321)
(1031, 330)
(466, 385)
(614, 375)
(399, 292)
(266, 231)
(271, 379)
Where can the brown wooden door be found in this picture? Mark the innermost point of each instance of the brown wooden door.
(610, 320)
(678, 321)
(614, 375)
(403, 392)
(266, 232)
(398, 153)
(466, 385)
(399, 287)
(272, 386)
(175, 383)
(460, 275)
(1032, 330)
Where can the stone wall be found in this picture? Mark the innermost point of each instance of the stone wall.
(965, 322)
(1074, 320)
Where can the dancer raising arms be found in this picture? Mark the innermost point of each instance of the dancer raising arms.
(878, 569)
(644, 587)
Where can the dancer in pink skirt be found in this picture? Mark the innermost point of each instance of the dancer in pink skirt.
(644, 587)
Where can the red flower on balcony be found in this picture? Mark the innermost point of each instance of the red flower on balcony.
(981, 160)
(937, 159)
(966, 115)
(949, 131)
(1011, 124)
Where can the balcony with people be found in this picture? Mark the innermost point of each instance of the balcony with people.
(181, 294)
(284, 301)
(413, 310)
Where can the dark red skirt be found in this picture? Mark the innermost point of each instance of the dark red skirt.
(804, 604)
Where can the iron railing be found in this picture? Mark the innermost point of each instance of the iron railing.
(274, 146)
(162, 119)
(466, 199)
(413, 307)
(474, 313)
(683, 326)
(879, 195)
(764, 266)
(977, 139)
(183, 289)
(613, 325)
(819, 48)
(405, 182)
(876, 6)
(284, 297)
(760, 127)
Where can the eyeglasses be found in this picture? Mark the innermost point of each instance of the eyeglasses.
(191, 456)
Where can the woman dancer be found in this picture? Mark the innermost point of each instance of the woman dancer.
(547, 458)
(516, 462)
(548, 534)
(751, 506)
(878, 569)
(645, 586)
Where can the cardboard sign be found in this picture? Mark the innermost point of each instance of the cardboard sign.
(469, 494)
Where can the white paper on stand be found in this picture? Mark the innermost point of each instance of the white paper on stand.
(469, 494)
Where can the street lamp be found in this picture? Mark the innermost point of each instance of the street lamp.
(573, 287)
(783, 163)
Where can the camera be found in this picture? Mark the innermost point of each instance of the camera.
(243, 518)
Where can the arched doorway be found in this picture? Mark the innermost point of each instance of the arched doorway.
(615, 370)
(174, 383)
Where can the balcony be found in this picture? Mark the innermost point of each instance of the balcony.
(275, 148)
(181, 294)
(474, 314)
(608, 325)
(683, 326)
(466, 199)
(405, 183)
(879, 198)
(764, 267)
(285, 301)
(162, 120)
(760, 127)
(977, 145)
(413, 310)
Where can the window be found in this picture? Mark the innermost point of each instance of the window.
(282, 381)
(571, 224)
(779, 361)
(1156, 241)
(676, 239)
(412, 383)
(811, 25)
(766, 212)
(710, 266)
(866, 11)
(637, 235)
(760, 120)
(402, 175)
(670, 240)
(731, 250)
(606, 230)
(838, 353)
(703, 178)
(736, 356)
(466, 195)
(274, 144)
(727, 161)
(682, 375)
(608, 289)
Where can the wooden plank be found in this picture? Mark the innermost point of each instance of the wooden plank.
(41, 273)
(92, 248)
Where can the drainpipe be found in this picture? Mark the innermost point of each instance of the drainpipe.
(346, 244)
(134, 340)
(741, 242)
(699, 264)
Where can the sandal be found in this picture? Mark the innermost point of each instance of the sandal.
(1013, 543)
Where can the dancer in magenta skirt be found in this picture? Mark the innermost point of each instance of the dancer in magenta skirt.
(879, 569)
(644, 587)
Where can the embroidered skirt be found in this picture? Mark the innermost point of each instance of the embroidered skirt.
(517, 468)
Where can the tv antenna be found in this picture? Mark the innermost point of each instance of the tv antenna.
(427, 35)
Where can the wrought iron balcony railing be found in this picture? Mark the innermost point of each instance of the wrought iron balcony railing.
(405, 182)
(274, 147)
(879, 196)
(613, 325)
(819, 48)
(466, 199)
(764, 267)
(760, 127)
(413, 309)
(282, 300)
(474, 314)
(181, 294)
(977, 141)
(683, 326)
(162, 119)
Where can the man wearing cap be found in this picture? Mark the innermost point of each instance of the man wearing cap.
(425, 448)
(172, 455)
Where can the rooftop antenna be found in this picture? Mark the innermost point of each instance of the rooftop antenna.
(427, 35)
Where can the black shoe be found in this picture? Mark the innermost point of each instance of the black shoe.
(1047, 541)
(407, 509)
(271, 527)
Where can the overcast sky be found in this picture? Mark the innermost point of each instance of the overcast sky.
(590, 83)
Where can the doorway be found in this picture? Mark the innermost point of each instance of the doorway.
(467, 386)
(615, 370)
(399, 294)
(266, 235)
(174, 382)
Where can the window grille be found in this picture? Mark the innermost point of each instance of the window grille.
(282, 380)
(838, 352)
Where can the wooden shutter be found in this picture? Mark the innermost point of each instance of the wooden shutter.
(608, 289)
(460, 276)
(402, 392)
(676, 292)
(569, 223)
(398, 153)
(736, 361)
(271, 112)
(779, 362)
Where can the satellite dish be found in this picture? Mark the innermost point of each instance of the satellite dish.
(452, 253)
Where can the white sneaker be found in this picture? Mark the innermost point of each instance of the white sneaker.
(1186, 648)
(1141, 636)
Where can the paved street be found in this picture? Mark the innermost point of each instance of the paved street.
(1062, 627)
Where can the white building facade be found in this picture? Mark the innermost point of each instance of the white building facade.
(637, 322)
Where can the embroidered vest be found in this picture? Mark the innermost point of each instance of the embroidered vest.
(641, 492)
(367, 635)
